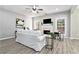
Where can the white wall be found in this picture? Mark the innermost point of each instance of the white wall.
(75, 23)
(54, 18)
(8, 23)
(28, 22)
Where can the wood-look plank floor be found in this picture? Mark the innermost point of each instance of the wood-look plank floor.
(67, 46)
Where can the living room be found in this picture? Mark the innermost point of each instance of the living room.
(28, 24)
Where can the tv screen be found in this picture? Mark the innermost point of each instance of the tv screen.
(46, 21)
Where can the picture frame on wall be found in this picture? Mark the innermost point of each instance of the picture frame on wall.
(19, 23)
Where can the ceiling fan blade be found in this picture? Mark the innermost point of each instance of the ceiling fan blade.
(27, 8)
(40, 9)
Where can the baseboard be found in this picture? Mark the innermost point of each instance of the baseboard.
(70, 38)
(74, 38)
(66, 37)
(7, 38)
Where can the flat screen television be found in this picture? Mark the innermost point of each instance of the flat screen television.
(46, 21)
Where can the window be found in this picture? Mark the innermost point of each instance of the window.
(61, 25)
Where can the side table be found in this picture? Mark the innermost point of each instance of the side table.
(49, 42)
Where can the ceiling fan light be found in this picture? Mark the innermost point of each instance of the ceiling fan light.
(57, 9)
(34, 11)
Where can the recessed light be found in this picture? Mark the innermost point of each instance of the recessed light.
(57, 9)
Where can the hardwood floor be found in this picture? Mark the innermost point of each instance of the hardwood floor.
(67, 46)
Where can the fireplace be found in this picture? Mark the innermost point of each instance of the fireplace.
(46, 31)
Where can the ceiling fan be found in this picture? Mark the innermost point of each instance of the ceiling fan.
(34, 9)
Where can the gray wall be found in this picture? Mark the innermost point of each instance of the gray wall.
(7, 23)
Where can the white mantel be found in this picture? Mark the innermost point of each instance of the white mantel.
(47, 27)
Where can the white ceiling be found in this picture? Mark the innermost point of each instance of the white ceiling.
(47, 9)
